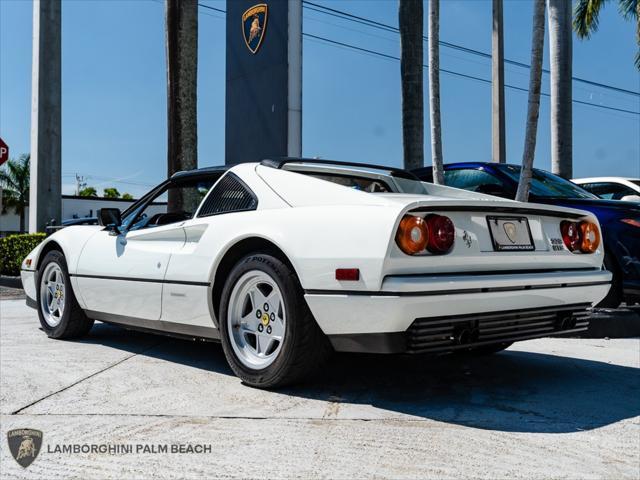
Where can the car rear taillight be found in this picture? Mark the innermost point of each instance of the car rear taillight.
(583, 236)
(436, 234)
(442, 234)
(412, 235)
(570, 234)
(590, 237)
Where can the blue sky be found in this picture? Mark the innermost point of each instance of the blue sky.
(114, 89)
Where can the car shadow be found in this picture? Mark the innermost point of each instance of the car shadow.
(514, 391)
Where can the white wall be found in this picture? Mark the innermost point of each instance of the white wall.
(75, 207)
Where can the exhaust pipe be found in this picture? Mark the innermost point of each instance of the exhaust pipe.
(565, 323)
(463, 337)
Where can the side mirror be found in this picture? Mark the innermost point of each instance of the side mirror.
(110, 218)
(631, 198)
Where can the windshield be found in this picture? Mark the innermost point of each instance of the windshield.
(548, 185)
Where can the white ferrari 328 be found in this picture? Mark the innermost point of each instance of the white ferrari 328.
(284, 261)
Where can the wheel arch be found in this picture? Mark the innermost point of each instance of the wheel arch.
(46, 248)
(233, 255)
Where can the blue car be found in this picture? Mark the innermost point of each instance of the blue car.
(620, 221)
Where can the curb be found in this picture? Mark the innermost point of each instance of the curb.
(11, 282)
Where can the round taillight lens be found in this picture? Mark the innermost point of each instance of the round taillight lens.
(442, 234)
(590, 237)
(412, 235)
(571, 234)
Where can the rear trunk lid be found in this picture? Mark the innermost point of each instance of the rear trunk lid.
(482, 244)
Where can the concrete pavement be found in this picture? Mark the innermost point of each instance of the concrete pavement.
(562, 408)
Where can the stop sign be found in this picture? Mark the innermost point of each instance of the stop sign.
(4, 152)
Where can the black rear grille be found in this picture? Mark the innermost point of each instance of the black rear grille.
(456, 332)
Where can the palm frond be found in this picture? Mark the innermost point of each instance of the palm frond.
(628, 9)
(585, 16)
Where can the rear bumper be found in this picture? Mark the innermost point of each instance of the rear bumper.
(404, 299)
(462, 332)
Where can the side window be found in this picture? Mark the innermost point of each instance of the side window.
(176, 203)
(474, 180)
(229, 195)
(609, 191)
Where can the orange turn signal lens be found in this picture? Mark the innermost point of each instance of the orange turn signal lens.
(412, 235)
(590, 237)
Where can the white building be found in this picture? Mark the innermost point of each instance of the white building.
(72, 207)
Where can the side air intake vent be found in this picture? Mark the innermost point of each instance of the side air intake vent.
(229, 195)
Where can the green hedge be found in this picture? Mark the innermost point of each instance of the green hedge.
(14, 249)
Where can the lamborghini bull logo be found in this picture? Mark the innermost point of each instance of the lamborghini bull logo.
(24, 444)
(254, 25)
(511, 230)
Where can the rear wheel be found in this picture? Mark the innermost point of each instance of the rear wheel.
(59, 312)
(269, 336)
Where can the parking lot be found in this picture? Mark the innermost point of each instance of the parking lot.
(561, 408)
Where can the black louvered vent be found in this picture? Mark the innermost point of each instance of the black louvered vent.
(229, 195)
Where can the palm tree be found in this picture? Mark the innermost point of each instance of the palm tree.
(535, 81)
(14, 180)
(434, 91)
(561, 59)
(586, 12)
(181, 32)
(410, 20)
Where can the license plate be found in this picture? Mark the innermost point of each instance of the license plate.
(510, 233)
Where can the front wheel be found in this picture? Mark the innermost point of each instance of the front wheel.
(59, 312)
(269, 336)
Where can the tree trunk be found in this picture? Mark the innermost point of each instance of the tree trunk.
(499, 141)
(434, 91)
(410, 19)
(181, 28)
(535, 81)
(560, 48)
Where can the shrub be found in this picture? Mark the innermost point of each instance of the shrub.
(14, 249)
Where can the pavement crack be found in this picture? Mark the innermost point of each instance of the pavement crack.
(17, 412)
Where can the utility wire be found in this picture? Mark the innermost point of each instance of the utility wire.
(457, 74)
(212, 8)
(390, 28)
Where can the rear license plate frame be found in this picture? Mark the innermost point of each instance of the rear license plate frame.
(493, 221)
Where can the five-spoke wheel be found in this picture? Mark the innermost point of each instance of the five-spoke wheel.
(256, 319)
(52, 294)
(59, 312)
(268, 334)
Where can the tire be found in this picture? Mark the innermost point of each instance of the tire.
(614, 296)
(268, 333)
(66, 319)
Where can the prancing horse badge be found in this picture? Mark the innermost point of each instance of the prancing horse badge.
(254, 26)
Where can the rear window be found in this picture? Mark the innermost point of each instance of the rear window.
(364, 184)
